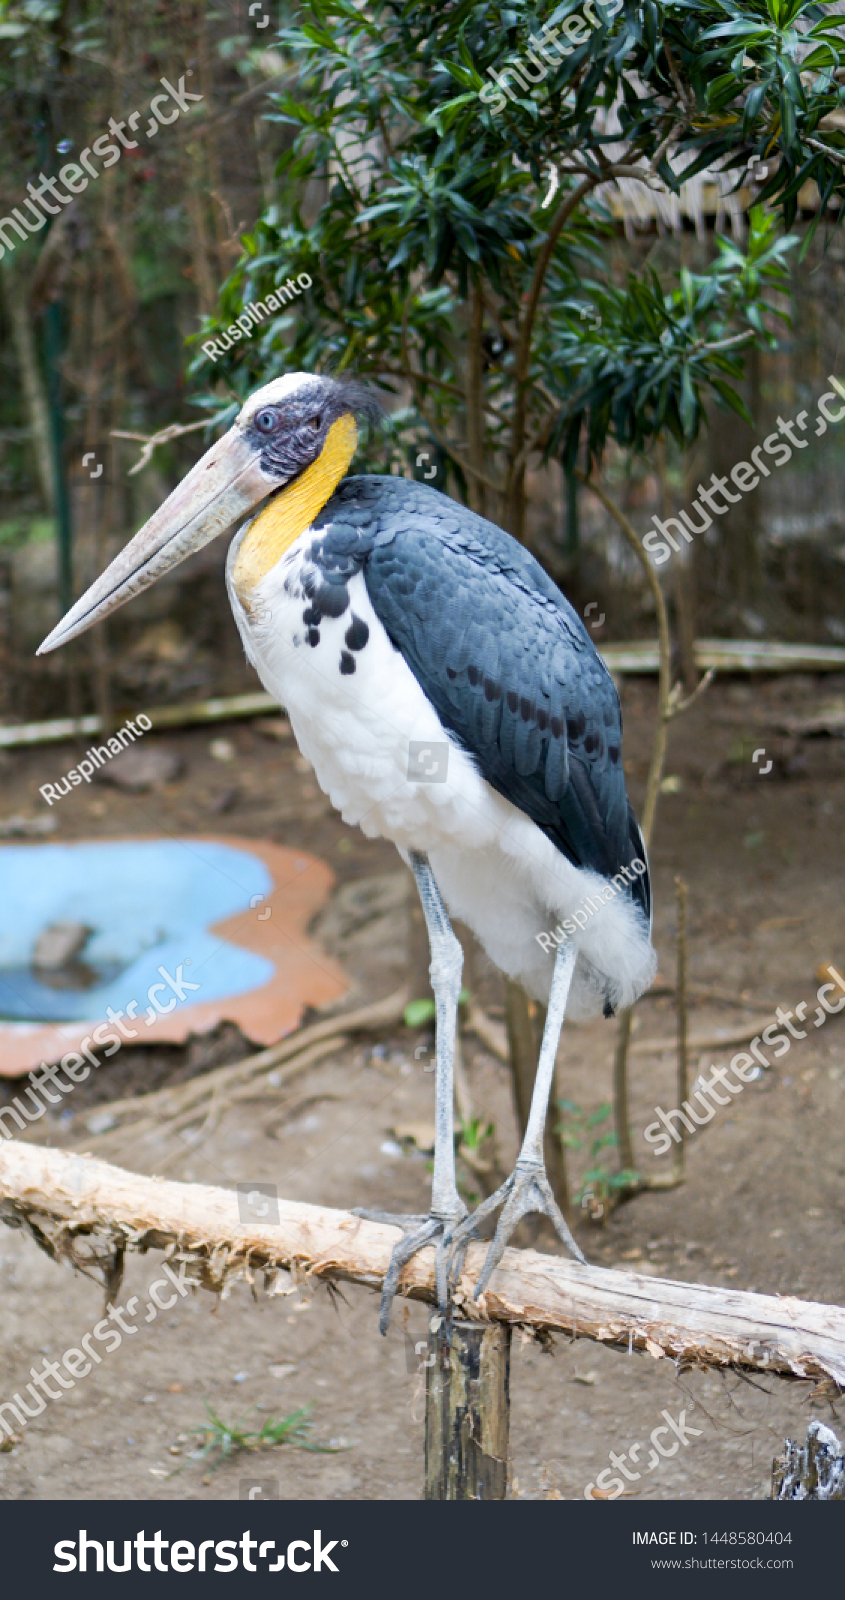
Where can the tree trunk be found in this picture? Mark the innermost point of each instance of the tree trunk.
(474, 393)
(34, 394)
(814, 1471)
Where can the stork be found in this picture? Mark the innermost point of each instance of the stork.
(388, 619)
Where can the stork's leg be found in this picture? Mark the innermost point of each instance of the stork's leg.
(447, 1207)
(528, 1189)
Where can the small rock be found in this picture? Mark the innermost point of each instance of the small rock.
(162, 641)
(222, 750)
(419, 1133)
(10, 826)
(283, 1370)
(100, 1121)
(220, 803)
(148, 767)
(58, 943)
(273, 727)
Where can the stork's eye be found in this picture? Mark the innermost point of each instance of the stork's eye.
(315, 424)
(266, 421)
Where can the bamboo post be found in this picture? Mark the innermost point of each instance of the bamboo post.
(467, 1410)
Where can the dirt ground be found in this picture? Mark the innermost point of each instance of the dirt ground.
(761, 1209)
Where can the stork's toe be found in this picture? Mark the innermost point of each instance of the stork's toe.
(527, 1190)
(418, 1232)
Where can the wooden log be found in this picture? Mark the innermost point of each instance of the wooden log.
(467, 1410)
(814, 1471)
(63, 1197)
(638, 656)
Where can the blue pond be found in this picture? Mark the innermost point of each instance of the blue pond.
(150, 904)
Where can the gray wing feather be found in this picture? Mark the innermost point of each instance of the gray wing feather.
(500, 653)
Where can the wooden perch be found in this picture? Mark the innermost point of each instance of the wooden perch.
(64, 1199)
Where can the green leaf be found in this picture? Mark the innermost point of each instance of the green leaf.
(732, 399)
(688, 403)
(418, 1012)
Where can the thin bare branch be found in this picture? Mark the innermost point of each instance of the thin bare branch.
(152, 441)
(833, 155)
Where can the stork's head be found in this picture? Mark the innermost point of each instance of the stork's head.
(293, 440)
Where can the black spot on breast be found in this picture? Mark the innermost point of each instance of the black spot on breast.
(313, 636)
(473, 675)
(312, 617)
(513, 701)
(347, 664)
(333, 599)
(572, 729)
(451, 673)
(357, 634)
(526, 709)
(542, 720)
(556, 726)
(492, 690)
(613, 752)
(589, 744)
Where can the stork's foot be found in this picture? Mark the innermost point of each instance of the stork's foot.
(526, 1190)
(418, 1232)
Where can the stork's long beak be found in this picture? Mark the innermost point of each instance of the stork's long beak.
(223, 486)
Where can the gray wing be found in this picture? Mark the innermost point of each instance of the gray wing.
(501, 655)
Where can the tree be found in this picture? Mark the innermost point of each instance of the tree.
(414, 197)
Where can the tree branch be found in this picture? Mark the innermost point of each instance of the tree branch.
(664, 680)
(721, 344)
(64, 1199)
(833, 155)
(152, 441)
(523, 355)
